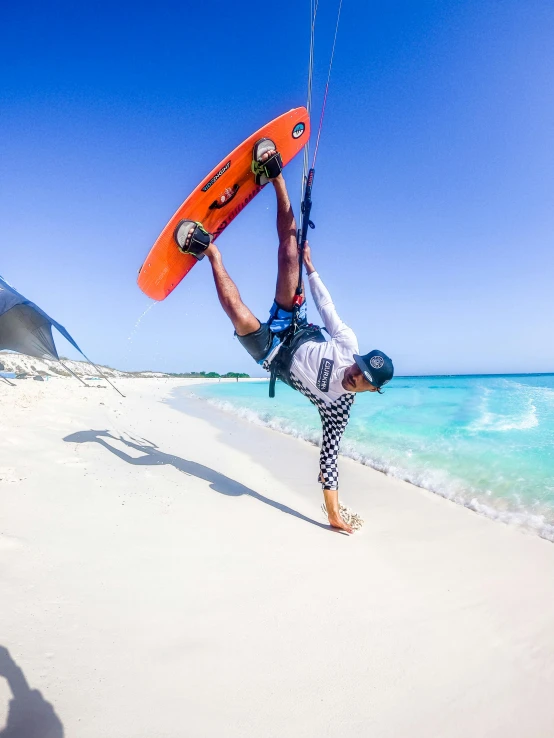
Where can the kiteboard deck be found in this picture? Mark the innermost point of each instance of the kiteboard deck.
(217, 201)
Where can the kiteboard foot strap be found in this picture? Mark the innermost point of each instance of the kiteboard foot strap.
(192, 238)
(271, 167)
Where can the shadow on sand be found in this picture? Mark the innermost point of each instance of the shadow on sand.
(29, 716)
(152, 456)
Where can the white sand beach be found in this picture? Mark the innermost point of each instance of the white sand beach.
(168, 575)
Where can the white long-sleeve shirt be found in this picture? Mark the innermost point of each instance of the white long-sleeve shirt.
(321, 366)
(317, 372)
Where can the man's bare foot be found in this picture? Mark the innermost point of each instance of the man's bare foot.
(335, 521)
(211, 250)
(264, 157)
(188, 239)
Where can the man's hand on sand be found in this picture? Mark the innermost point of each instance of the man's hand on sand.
(335, 521)
(332, 508)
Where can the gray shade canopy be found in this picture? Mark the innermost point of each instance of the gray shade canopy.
(24, 327)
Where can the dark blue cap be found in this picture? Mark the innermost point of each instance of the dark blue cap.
(376, 367)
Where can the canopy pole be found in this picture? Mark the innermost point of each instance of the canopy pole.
(104, 376)
(8, 381)
(72, 372)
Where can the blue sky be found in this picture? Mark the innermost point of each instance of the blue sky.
(434, 187)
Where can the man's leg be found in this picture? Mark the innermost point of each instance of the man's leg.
(287, 259)
(243, 320)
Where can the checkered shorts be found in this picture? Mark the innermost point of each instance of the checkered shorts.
(334, 419)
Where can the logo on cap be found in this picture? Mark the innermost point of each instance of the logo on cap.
(376, 362)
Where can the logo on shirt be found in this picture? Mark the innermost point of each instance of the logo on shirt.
(324, 375)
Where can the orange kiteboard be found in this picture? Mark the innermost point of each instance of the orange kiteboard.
(217, 200)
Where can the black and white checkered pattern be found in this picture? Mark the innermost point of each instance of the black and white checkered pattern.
(334, 419)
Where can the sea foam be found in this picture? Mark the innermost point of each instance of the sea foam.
(516, 509)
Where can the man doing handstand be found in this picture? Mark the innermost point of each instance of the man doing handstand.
(328, 372)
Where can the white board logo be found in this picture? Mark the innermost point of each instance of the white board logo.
(216, 176)
(376, 362)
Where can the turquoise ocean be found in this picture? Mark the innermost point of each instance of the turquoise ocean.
(486, 442)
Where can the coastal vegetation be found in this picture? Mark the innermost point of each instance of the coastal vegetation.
(210, 375)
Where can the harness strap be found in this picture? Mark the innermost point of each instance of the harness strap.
(281, 364)
(272, 379)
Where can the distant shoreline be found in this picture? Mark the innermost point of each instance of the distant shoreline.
(461, 376)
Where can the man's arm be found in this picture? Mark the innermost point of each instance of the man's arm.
(334, 419)
(322, 298)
